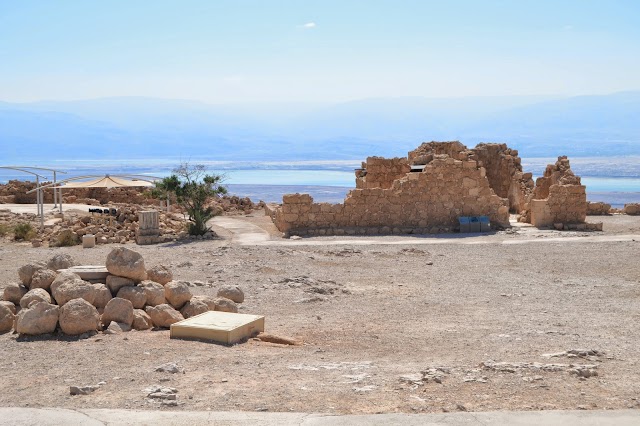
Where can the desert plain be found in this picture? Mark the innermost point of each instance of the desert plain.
(523, 319)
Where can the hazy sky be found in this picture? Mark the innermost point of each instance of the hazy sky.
(316, 50)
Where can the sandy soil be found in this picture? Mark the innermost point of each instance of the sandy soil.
(368, 314)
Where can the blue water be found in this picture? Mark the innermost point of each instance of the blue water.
(325, 181)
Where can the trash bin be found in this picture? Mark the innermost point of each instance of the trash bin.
(485, 225)
(474, 224)
(464, 224)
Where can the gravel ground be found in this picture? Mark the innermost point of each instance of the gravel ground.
(386, 328)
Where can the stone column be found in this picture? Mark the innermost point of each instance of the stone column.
(148, 227)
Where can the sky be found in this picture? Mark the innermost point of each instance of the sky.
(246, 51)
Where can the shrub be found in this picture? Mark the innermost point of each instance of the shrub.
(193, 188)
(67, 238)
(24, 231)
(4, 229)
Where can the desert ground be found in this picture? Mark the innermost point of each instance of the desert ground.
(513, 320)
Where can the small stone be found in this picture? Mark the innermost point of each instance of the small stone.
(9, 305)
(115, 283)
(82, 390)
(223, 304)
(163, 315)
(102, 296)
(154, 292)
(141, 320)
(194, 307)
(78, 316)
(7, 317)
(170, 367)
(117, 328)
(74, 289)
(26, 272)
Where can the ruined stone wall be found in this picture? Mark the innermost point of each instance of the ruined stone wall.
(427, 151)
(504, 171)
(426, 202)
(559, 197)
(381, 172)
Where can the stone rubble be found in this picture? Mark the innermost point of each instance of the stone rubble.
(47, 300)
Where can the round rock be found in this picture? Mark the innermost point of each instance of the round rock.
(35, 295)
(225, 305)
(74, 289)
(14, 292)
(177, 294)
(9, 305)
(60, 261)
(163, 315)
(6, 318)
(26, 272)
(43, 278)
(118, 310)
(115, 283)
(154, 292)
(194, 307)
(102, 296)
(78, 316)
(231, 292)
(63, 277)
(135, 295)
(126, 263)
(40, 318)
(141, 320)
(160, 274)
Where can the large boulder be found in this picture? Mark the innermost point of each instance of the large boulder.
(225, 305)
(231, 292)
(39, 318)
(26, 272)
(163, 315)
(63, 277)
(141, 320)
(154, 292)
(194, 307)
(9, 305)
(118, 310)
(102, 296)
(115, 283)
(78, 316)
(6, 318)
(13, 293)
(60, 261)
(160, 274)
(177, 294)
(35, 295)
(126, 263)
(135, 295)
(43, 278)
(74, 289)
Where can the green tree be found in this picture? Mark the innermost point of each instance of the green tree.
(193, 189)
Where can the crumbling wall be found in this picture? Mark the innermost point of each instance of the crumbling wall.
(378, 172)
(504, 171)
(426, 152)
(427, 202)
(559, 197)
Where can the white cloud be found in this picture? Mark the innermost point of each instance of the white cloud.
(309, 25)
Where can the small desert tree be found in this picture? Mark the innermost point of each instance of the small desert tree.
(193, 189)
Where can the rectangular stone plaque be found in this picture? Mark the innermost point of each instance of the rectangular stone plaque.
(223, 327)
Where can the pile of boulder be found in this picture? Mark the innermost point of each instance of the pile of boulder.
(51, 296)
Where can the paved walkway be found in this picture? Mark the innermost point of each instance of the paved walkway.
(101, 417)
(246, 233)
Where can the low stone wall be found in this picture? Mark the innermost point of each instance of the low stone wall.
(598, 208)
(565, 204)
(427, 202)
(632, 209)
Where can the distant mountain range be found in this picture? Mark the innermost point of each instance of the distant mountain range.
(116, 128)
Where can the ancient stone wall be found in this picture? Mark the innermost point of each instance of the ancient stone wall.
(427, 151)
(504, 171)
(381, 172)
(598, 208)
(427, 202)
(559, 197)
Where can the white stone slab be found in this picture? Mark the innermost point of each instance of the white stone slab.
(223, 327)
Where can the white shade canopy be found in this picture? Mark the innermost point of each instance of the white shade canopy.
(106, 182)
